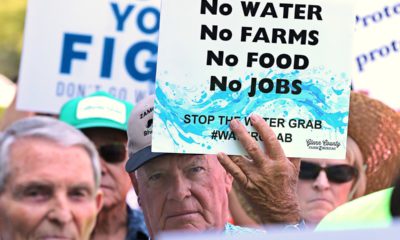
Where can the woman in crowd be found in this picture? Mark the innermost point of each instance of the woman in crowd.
(324, 184)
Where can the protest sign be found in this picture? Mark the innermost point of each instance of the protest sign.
(377, 50)
(289, 62)
(73, 48)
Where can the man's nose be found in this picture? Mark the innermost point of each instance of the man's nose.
(103, 167)
(60, 211)
(180, 188)
(321, 182)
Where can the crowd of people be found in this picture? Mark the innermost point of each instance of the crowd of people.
(68, 176)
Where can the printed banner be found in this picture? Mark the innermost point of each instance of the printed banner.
(377, 50)
(73, 48)
(288, 61)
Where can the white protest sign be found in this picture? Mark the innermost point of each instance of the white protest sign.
(73, 48)
(288, 61)
(377, 50)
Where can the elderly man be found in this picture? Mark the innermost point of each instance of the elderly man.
(103, 119)
(49, 181)
(190, 192)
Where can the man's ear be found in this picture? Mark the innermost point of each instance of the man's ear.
(99, 200)
(132, 176)
(135, 185)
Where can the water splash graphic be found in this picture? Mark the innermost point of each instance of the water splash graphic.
(322, 98)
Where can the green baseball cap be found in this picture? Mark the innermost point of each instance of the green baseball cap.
(99, 109)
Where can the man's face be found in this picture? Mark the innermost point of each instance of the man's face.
(185, 192)
(50, 192)
(115, 183)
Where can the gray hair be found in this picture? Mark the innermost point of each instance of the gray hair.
(49, 129)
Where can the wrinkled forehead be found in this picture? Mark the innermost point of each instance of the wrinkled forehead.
(166, 161)
(50, 161)
(176, 158)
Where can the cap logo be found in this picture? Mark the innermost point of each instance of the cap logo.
(149, 123)
(146, 112)
(101, 107)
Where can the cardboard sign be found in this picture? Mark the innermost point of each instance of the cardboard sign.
(288, 61)
(377, 50)
(73, 48)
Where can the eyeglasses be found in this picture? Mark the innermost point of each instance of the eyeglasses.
(113, 153)
(336, 173)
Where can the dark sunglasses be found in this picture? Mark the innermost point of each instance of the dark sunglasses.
(336, 173)
(112, 153)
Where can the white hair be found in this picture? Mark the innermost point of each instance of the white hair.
(49, 129)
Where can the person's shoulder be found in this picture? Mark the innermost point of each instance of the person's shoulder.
(368, 211)
(136, 225)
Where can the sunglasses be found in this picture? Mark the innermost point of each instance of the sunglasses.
(336, 173)
(112, 153)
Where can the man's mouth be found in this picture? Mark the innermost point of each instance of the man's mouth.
(182, 214)
(105, 186)
(321, 200)
(56, 237)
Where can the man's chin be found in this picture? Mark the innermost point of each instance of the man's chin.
(185, 226)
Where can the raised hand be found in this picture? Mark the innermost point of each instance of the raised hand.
(268, 178)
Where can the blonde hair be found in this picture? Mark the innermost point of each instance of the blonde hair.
(355, 158)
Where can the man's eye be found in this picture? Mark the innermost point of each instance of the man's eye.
(155, 177)
(37, 194)
(197, 169)
(79, 194)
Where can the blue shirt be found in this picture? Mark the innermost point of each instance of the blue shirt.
(233, 230)
(136, 225)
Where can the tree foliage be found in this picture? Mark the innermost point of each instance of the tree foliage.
(12, 15)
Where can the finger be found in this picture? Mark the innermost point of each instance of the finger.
(272, 145)
(249, 144)
(232, 168)
(244, 163)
